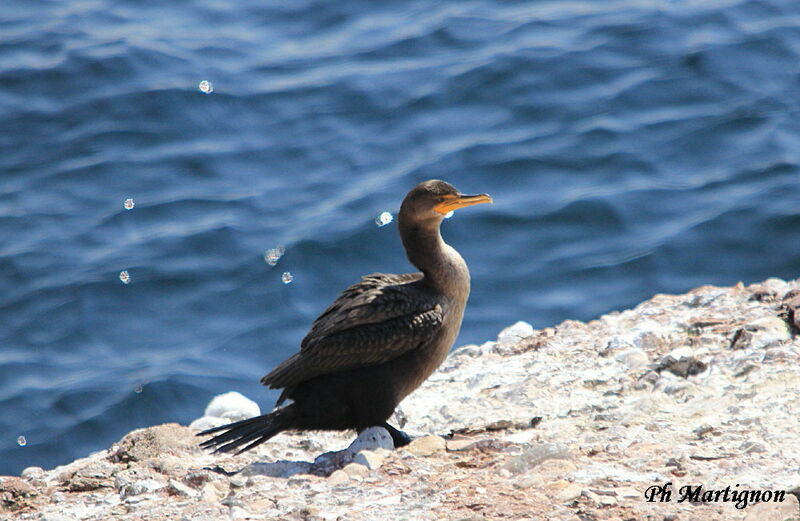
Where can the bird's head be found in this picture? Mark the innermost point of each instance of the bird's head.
(428, 202)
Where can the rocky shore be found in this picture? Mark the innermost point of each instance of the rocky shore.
(582, 421)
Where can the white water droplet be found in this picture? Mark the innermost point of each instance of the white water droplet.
(138, 389)
(448, 214)
(287, 277)
(21, 441)
(125, 277)
(128, 204)
(384, 218)
(206, 87)
(272, 256)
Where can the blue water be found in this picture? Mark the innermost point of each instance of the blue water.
(632, 147)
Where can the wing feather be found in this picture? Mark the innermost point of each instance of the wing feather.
(372, 322)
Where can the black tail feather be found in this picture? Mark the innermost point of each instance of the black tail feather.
(252, 431)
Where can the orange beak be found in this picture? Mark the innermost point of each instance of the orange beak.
(454, 202)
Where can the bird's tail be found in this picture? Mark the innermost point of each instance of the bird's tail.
(252, 431)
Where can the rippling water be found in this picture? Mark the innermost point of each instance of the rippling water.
(631, 147)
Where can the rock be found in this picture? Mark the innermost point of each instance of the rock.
(212, 492)
(605, 436)
(460, 445)
(633, 358)
(93, 476)
(788, 510)
(569, 493)
(176, 488)
(513, 334)
(682, 362)
(135, 481)
(762, 333)
(338, 477)
(232, 406)
(277, 469)
(372, 439)
(154, 442)
(471, 351)
(13, 493)
(534, 455)
(355, 470)
(370, 459)
(33, 474)
(426, 446)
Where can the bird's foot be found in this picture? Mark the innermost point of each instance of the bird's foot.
(400, 438)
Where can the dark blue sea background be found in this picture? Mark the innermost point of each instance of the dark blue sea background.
(632, 147)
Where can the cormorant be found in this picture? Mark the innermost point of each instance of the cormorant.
(377, 342)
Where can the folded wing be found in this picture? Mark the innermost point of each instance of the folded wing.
(372, 322)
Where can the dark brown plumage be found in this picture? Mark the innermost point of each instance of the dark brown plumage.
(377, 342)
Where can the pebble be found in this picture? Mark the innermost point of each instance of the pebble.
(514, 333)
(33, 473)
(355, 470)
(370, 459)
(371, 439)
(176, 488)
(569, 493)
(762, 333)
(789, 510)
(339, 477)
(426, 446)
(141, 487)
(534, 455)
(682, 362)
(633, 358)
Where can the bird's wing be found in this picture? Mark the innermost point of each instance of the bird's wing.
(371, 322)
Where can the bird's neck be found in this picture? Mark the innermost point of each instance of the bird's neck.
(443, 267)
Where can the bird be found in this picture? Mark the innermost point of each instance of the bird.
(378, 341)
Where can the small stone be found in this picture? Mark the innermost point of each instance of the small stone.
(569, 493)
(628, 493)
(212, 492)
(176, 488)
(682, 362)
(751, 447)
(371, 439)
(534, 455)
(459, 445)
(13, 489)
(426, 446)
(154, 442)
(370, 459)
(276, 469)
(141, 487)
(762, 333)
(92, 477)
(355, 470)
(32, 473)
(136, 481)
(339, 477)
(789, 510)
(471, 351)
(513, 334)
(633, 358)
(703, 430)
(558, 467)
